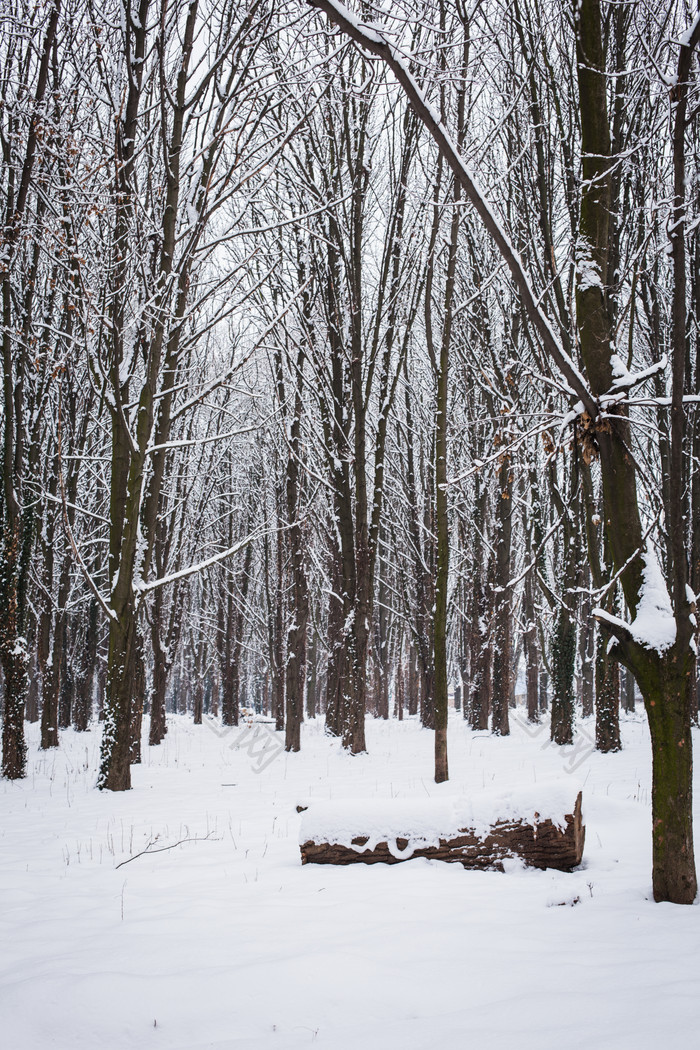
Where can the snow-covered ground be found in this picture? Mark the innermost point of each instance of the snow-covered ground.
(226, 941)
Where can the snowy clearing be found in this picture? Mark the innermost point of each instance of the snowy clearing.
(226, 941)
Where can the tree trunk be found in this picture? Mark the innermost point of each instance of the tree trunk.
(481, 677)
(587, 654)
(481, 616)
(442, 528)
(275, 639)
(50, 691)
(607, 699)
(65, 695)
(412, 683)
(532, 656)
(667, 697)
(426, 692)
(158, 727)
(563, 653)
(230, 689)
(198, 698)
(503, 621)
(14, 748)
(115, 766)
(295, 672)
(399, 690)
(628, 692)
(563, 661)
(32, 704)
(312, 677)
(14, 665)
(336, 656)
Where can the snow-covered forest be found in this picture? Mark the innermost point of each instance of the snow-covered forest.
(350, 378)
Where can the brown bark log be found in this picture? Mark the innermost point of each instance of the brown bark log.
(539, 845)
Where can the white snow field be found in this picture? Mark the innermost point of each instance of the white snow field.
(227, 942)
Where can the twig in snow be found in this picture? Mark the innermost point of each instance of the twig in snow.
(161, 849)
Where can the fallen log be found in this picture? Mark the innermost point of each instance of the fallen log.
(332, 834)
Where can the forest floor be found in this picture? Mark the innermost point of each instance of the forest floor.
(226, 942)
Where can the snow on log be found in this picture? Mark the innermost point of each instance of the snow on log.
(548, 835)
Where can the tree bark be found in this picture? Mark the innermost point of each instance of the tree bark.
(607, 699)
(629, 692)
(587, 657)
(158, 726)
(503, 621)
(532, 656)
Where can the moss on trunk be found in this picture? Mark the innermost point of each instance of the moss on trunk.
(667, 699)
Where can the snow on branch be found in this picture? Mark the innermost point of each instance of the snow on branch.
(625, 380)
(692, 33)
(654, 626)
(142, 587)
(191, 442)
